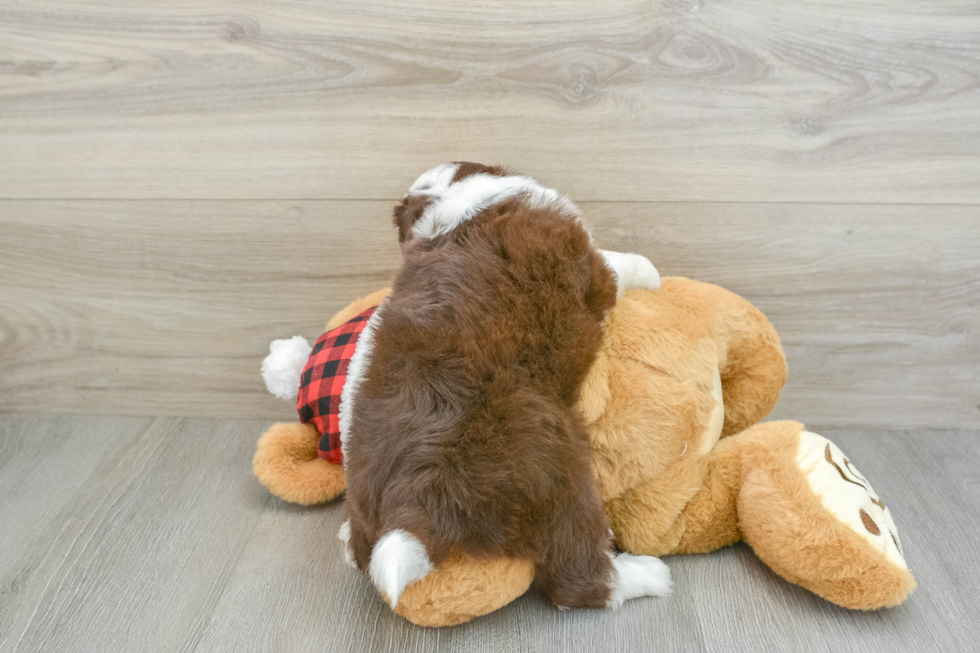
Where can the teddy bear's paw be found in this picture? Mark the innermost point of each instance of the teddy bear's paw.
(632, 271)
(637, 576)
(848, 495)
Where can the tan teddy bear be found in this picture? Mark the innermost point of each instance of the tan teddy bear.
(673, 402)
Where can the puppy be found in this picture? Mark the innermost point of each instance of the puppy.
(457, 417)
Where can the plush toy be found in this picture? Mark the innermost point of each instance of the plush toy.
(673, 402)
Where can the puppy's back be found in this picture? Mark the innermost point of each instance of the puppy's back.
(462, 432)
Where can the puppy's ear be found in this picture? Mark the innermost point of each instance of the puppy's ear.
(407, 213)
(468, 168)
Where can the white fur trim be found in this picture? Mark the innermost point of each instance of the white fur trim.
(637, 576)
(631, 271)
(356, 369)
(398, 560)
(453, 204)
(845, 499)
(282, 368)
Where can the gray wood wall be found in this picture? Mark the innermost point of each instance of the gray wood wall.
(181, 184)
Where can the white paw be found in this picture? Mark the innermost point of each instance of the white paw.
(344, 536)
(637, 576)
(632, 271)
(645, 275)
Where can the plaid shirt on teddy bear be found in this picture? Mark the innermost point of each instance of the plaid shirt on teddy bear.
(323, 380)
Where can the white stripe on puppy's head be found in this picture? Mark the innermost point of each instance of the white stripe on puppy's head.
(449, 195)
(435, 181)
(464, 199)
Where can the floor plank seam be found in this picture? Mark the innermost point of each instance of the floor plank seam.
(226, 577)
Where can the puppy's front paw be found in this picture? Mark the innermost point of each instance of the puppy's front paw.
(638, 576)
(644, 274)
(632, 271)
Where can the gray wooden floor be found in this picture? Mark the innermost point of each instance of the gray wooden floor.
(150, 534)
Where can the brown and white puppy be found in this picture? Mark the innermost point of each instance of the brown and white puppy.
(457, 415)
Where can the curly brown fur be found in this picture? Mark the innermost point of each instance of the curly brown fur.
(463, 432)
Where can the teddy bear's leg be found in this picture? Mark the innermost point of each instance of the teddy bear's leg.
(462, 587)
(806, 512)
(710, 520)
(751, 359)
(286, 462)
(749, 354)
(810, 515)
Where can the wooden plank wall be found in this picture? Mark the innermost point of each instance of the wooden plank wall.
(181, 183)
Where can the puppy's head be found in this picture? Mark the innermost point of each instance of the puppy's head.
(432, 187)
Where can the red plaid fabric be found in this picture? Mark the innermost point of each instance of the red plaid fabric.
(323, 380)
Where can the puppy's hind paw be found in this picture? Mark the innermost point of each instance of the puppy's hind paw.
(344, 536)
(637, 576)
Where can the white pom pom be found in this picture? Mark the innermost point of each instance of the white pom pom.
(284, 365)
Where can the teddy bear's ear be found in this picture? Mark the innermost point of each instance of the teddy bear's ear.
(407, 214)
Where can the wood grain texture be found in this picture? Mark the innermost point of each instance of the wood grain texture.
(139, 534)
(167, 308)
(684, 100)
(135, 556)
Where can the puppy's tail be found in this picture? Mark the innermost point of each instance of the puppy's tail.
(398, 560)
